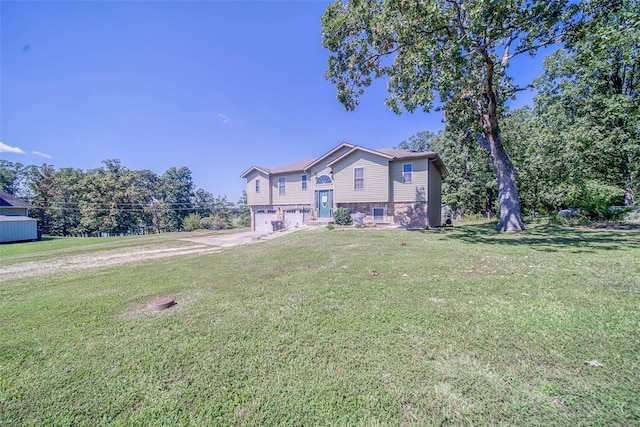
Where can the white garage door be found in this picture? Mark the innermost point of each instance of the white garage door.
(263, 220)
(293, 218)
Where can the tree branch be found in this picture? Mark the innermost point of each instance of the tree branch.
(505, 55)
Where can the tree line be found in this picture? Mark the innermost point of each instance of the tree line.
(115, 200)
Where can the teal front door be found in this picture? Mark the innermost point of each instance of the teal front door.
(324, 203)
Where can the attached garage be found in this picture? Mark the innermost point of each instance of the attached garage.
(17, 228)
(295, 217)
(263, 218)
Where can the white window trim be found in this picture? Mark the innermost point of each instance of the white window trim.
(324, 183)
(304, 182)
(282, 186)
(403, 172)
(354, 178)
(257, 185)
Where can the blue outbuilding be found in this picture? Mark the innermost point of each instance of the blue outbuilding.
(15, 223)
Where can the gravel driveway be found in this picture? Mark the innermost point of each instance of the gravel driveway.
(201, 245)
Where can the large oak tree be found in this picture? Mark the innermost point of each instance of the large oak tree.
(458, 49)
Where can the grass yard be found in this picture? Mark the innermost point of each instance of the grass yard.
(346, 327)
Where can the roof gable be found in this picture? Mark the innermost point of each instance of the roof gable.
(256, 168)
(358, 148)
(292, 167)
(324, 156)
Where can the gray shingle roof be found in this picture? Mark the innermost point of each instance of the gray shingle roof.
(396, 153)
(293, 167)
(404, 154)
(7, 199)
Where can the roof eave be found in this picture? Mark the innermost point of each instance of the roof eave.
(440, 165)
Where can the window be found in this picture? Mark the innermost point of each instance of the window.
(378, 214)
(281, 182)
(407, 172)
(358, 178)
(257, 185)
(304, 182)
(323, 179)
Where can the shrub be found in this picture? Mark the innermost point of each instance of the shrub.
(216, 222)
(594, 198)
(342, 216)
(244, 220)
(191, 222)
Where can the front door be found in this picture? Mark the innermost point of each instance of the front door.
(324, 203)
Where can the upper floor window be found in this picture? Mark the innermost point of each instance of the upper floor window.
(304, 182)
(358, 178)
(323, 179)
(257, 185)
(407, 172)
(281, 182)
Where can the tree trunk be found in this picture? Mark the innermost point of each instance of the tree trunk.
(629, 197)
(510, 209)
(508, 198)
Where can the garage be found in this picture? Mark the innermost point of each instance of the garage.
(263, 218)
(294, 217)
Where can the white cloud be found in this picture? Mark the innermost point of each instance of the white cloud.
(223, 118)
(4, 148)
(38, 153)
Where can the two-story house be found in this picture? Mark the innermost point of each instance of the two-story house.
(383, 186)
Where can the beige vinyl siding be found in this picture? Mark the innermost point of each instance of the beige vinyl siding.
(294, 194)
(264, 196)
(315, 173)
(416, 190)
(320, 167)
(435, 196)
(376, 178)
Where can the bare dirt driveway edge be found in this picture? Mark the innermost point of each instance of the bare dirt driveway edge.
(108, 258)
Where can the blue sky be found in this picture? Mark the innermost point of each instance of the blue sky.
(214, 86)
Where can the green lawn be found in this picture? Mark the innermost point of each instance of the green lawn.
(458, 327)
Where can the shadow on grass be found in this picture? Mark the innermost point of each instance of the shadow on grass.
(549, 238)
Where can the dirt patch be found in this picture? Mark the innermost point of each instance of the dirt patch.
(142, 309)
(96, 260)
